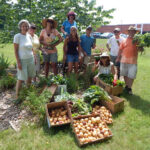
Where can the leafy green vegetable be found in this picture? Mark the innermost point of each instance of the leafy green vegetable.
(95, 94)
(107, 78)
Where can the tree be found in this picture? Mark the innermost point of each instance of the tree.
(36, 10)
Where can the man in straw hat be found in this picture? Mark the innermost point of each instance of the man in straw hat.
(113, 46)
(47, 37)
(128, 55)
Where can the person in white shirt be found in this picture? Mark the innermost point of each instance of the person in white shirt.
(24, 55)
(113, 46)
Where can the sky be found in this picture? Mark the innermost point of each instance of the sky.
(127, 11)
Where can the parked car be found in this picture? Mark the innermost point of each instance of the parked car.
(96, 34)
(106, 35)
(124, 35)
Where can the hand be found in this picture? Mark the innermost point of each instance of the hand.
(117, 60)
(19, 66)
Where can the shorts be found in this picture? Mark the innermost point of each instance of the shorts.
(28, 69)
(128, 70)
(72, 58)
(113, 59)
(87, 60)
(37, 65)
(50, 57)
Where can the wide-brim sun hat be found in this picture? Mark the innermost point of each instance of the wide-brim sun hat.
(104, 54)
(44, 22)
(71, 13)
(132, 28)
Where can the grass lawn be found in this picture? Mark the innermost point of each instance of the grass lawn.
(131, 128)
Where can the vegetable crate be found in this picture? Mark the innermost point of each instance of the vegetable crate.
(90, 129)
(116, 90)
(56, 116)
(116, 105)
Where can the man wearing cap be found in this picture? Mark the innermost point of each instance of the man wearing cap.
(128, 55)
(87, 42)
(113, 46)
(67, 24)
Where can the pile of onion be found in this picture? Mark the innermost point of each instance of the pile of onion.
(90, 129)
(105, 114)
(59, 116)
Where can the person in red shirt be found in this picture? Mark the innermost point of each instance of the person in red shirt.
(128, 55)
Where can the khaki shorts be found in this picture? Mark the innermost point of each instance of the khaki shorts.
(28, 69)
(128, 70)
(86, 60)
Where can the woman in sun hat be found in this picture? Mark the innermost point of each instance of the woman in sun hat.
(128, 55)
(67, 24)
(47, 36)
(105, 66)
(24, 55)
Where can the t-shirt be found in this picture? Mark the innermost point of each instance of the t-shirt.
(113, 42)
(105, 70)
(67, 25)
(72, 48)
(87, 43)
(25, 45)
(129, 51)
(49, 38)
(35, 43)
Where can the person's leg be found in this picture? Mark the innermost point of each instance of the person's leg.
(70, 64)
(76, 67)
(18, 87)
(54, 66)
(46, 69)
(130, 82)
(29, 81)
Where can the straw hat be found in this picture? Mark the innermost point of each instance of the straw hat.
(44, 22)
(131, 28)
(104, 55)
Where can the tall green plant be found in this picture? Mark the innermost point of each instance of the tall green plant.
(4, 64)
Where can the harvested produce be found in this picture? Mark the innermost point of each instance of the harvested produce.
(79, 107)
(58, 116)
(109, 79)
(142, 40)
(90, 129)
(105, 114)
(94, 94)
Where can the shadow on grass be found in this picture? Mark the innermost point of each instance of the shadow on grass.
(138, 102)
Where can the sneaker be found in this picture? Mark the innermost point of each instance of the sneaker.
(130, 91)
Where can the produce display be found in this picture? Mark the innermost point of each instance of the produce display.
(142, 40)
(58, 116)
(109, 79)
(94, 94)
(105, 114)
(90, 129)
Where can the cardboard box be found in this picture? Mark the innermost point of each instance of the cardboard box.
(95, 141)
(116, 105)
(54, 105)
(116, 90)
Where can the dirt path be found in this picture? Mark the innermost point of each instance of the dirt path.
(10, 114)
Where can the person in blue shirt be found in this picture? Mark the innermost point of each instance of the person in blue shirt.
(67, 24)
(87, 42)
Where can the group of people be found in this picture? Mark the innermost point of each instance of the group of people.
(27, 45)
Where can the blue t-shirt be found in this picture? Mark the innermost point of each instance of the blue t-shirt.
(87, 43)
(67, 25)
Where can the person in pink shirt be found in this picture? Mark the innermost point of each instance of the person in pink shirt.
(128, 55)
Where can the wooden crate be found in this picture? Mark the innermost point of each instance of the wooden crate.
(116, 90)
(96, 141)
(54, 105)
(116, 105)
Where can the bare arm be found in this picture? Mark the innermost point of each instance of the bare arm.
(16, 47)
(107, 45)
(119, 55)
(95, 67)
(62, 30)
(114, 72)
